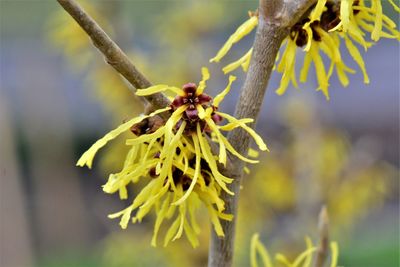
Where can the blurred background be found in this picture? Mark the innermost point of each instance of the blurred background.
(57, 96)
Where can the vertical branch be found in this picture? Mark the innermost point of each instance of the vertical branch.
(323, 245)
(275, 20)
(252, 94)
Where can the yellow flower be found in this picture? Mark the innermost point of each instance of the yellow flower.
(166, 194)
(177, 157)
(328, 23)
(196, 115)
(356, 16)
(304, 259)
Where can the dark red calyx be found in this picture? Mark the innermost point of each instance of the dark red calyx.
(203, 99)
(190, 89)
(216, 118)
(192, 114)
(152, 172)
(178, 101)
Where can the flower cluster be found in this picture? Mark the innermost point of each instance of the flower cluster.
(304, 259)
(177, 159)
(328, 24)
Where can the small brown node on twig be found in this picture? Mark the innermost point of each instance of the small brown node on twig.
(253, 13)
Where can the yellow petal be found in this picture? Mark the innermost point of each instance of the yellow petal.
(305, 68)
(253, 251)
(318, 10)
(397, 8)
(376, 33)
(244, 62)
(232, 125)
(169, 151)
(218, 99)
(146, 137)
(157, 89)
(334, 254)
(182, 212)
(222, 150)
(156, 194)
(159, 219)
(303, 256)
(322, 76)
(355, 54)
(282, 259)
(171, 231)
(87, 157)
(208, 156)
(357, 34)
(307, 28)
(253, 153)
(126, 214)
(242, 31)
(256, 246)
(202, 84)
(235, 153)
(288, 68)
(345, 10)
(171, 123)
(191, 235)
(191, 207)
(262, 146)
(215, 221)
(201, 111)
(308, 259)
(196, 172)
(123, 193)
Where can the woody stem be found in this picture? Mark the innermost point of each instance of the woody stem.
(275, 20)
(114, 56)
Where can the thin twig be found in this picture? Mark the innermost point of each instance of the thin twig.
(118, 60)
(111, 51)
(323, 245)
(275, 20)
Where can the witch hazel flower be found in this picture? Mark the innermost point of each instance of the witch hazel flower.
(176, 161)
(320, 35)
(162, 195)
(194, 118)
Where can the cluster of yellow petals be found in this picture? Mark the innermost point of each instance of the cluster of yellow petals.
(199, 137)
(174, 150)
(355, 19)
(304, 259)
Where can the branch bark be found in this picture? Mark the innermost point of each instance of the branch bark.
(112, 53)
(275, 20)
(323, 245)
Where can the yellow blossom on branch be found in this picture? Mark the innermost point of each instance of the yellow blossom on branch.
(304, 259)
(177, 157)
(320, 34)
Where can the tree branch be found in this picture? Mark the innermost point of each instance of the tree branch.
(275, 20)
(323, 245)
(112, 53)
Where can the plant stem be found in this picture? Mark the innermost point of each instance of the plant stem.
(112, 53)
(275, 20)
(323, 246)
